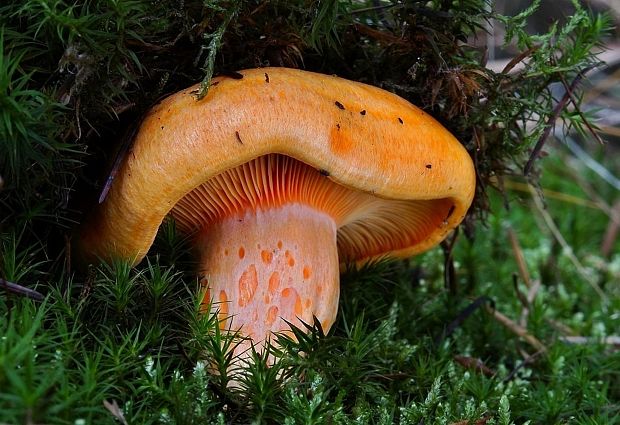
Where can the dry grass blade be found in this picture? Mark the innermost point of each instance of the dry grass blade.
(518, 330)
(552, 194)
(115, 410)
(568, 250)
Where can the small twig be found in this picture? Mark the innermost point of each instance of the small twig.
(528, 360)
(561, 327)
(611, 233)
(463, 314)
(587, 340)
(575, 103)
(520, 57)
(474, 364)
(517, 329)
(115, 410)
(553, 118)
(21, 290)
(449, 274)
(522, 298)
(519, 258)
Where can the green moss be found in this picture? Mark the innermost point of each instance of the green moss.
(75, 77)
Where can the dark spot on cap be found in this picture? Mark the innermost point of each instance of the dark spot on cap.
(162, 127)
(266, 77)
(363, 112)
(400, 120)
(338, 126)
(233, 74)
(429, 166)
(339, 105)
(238, 137)
(215, 83)
(324, 173)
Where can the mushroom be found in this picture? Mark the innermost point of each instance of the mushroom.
(281, 176)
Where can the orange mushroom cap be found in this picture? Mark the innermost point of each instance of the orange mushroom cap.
(282, 175)
(360, 136)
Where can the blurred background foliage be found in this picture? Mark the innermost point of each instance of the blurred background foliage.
(416, 341)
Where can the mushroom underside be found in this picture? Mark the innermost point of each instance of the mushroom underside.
(272, 232)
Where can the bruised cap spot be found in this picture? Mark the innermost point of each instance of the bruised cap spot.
(267, 256)
(248, 282)
(272, 315)
(274, 282)
(319, 289)
(279, 244)
(307, 272)
(226, 251)
(339, 141)
(241, 253)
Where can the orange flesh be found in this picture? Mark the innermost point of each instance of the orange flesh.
(288, 271)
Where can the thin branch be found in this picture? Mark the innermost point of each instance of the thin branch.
(21, 290)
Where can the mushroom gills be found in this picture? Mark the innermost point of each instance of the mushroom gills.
(271, 234)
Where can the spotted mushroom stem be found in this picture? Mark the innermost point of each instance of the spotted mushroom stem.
(268, 267)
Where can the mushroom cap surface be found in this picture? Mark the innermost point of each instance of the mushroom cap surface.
(362, 137)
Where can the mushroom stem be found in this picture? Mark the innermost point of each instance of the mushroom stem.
(267, 267)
